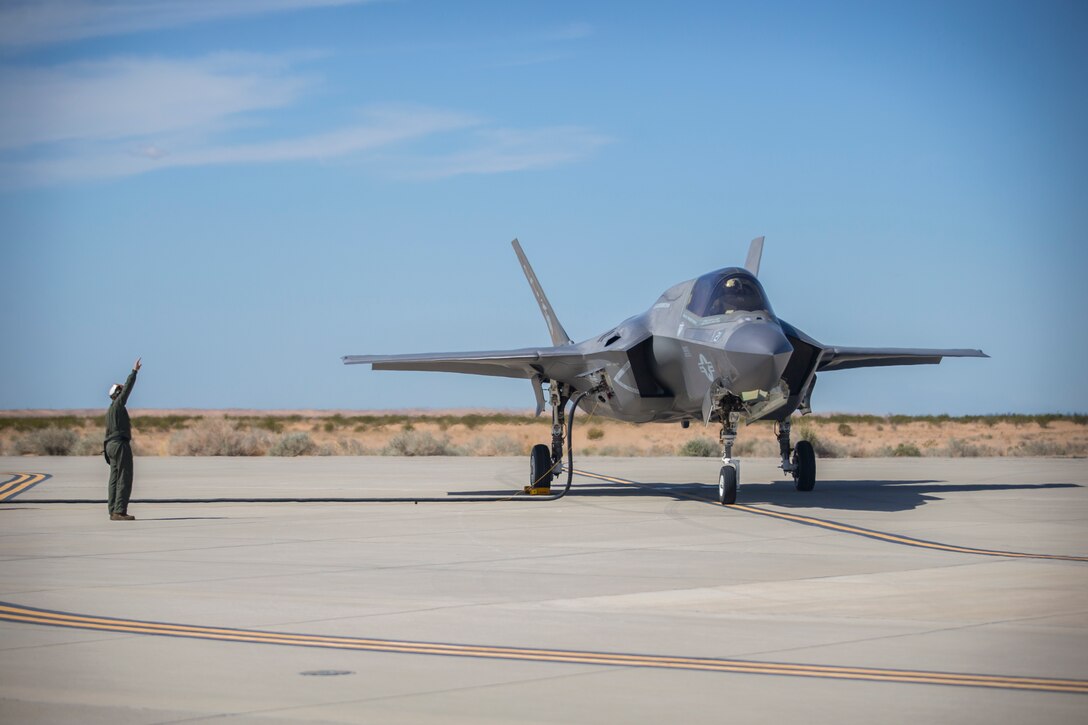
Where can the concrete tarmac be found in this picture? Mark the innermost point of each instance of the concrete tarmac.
(897, 591)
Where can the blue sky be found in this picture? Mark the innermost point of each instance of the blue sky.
(241, 192)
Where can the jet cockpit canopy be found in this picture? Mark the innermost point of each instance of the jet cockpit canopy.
(725, 291)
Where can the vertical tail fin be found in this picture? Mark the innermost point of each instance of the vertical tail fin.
(559, 335)
(755, 252)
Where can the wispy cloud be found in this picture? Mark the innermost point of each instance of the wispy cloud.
(379, 127)
(548, 46)
(25, 23)
(106, 119)
(134, 97)
(489, 151)
(570, 31)
(502, 150)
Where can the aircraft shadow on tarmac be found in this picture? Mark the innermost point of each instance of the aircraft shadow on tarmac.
(901, 495)
(873, 495)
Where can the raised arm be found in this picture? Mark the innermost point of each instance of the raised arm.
(130, 382)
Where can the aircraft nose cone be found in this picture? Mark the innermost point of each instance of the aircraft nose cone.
(758, 352)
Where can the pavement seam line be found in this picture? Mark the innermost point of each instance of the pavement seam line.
(855, 530)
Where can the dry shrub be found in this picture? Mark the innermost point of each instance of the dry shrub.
(594, 434)
(498, 445)
(294, 444)
(962, 449)
(216, 437)
(88, 446)
(906, 450)
(756, 448)
(352, 447)
(859, 450)
(699, 448)
(1040, 448)
(46, 442)
(419, 443)
(619, 451)
(824, 448)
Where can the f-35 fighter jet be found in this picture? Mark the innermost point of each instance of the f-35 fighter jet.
(710, 349)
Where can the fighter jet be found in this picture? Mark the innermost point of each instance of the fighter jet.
(711, 349)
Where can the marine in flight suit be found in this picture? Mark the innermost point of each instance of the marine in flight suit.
(118, 448)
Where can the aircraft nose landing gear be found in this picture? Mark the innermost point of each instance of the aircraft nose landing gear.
(729, 476)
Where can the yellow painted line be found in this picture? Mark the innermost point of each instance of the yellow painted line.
(848, 529)
(12, 483)
(21, 482)
(17, 613)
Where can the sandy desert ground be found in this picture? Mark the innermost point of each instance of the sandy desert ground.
(492, 432)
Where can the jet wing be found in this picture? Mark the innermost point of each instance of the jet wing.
(845, 358)
(561, 363)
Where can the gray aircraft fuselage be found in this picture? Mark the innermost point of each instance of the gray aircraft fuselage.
(664, 364)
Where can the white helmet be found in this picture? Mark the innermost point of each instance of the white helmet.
(115, 389)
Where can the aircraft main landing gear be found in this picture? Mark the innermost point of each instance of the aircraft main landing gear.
(546, 463)
(804, 474)
(540, 469)
(800, 462)
(727, 484)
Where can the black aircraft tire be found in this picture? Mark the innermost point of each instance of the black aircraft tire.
(540, 465)
(727, 486)
(805, 476)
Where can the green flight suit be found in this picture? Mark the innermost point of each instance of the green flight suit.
(119, 449)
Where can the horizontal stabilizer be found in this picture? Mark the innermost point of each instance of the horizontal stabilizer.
(846, 358)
